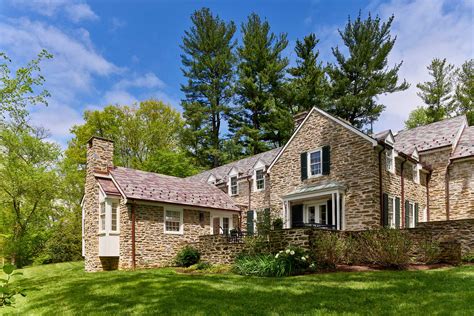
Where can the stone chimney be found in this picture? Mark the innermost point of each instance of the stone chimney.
(298, 118)
(100, 154)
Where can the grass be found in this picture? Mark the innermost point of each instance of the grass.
(65, 289)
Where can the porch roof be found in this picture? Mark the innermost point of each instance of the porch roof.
(315, 189)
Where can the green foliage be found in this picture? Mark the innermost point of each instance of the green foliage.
(464, 94)
(7, 291)
(264, 224)
(429, 251)
(308, 85)
(255, 245)
(418, 117)
(291, 261)
(187, 256)
(385, 247)
(208, 64)
(468, 258)
(202, 265)
(261, 119)
(278, 223)
(329, 249)
(358, 79)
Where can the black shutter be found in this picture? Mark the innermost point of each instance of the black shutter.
(304, 166)
(329, 212)
(416, 214)
(407, 214)
(397, 212)
(250, 223)
(326, 159)
(385, 210)
(297, 216)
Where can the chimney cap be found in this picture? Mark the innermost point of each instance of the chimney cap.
(99, 137)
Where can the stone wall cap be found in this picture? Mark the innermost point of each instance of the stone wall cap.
(99, 137)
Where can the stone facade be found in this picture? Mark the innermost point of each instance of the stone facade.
(216, 249)
(461, 189)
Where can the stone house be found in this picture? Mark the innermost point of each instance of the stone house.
(329, 174)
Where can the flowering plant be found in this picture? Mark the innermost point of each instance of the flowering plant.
(292, 260)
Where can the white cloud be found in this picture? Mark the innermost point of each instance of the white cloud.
(120, 97)
(116, 23)
(76, 11)
(149, 80)
(425, 29)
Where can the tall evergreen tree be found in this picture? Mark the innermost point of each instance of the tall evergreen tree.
(437, 94)
(208, 64)
(357, 80)
(261, 120)
(308, 86)
(464, 95)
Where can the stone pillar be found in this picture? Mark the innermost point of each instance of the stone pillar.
(99, 159)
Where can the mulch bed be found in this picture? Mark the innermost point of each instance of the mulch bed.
(411, 267)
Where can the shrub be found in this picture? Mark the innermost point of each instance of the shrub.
(289, 262)
(187, 257)
(469, 258)
(202, 265)
(388, 248)
(7, 291)
(329, 249)
(255, 245)
(429, 251)
(277, 223)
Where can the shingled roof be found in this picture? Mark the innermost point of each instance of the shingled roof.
(149, 186)
(108, 186)
(465, 147)
(431, 136)
(244, 167)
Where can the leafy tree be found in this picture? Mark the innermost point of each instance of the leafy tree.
(437, 93)
(358, 79)
(308, 86)
(464, 94)
(261, 119)
(417, 117)
(17, 92)
(208, 64)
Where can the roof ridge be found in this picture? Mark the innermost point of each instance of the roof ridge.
(430, 124)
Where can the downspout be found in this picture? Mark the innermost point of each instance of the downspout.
(402, 181)
(133, 236)
(428, 178)
(249, 180)
(447, 189)
(380, 186)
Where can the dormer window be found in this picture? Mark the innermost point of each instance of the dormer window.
(416, 174)
(234, 186)
(260, 179)
(390, 160)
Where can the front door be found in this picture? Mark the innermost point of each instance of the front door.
(216, 224)
(297, 215)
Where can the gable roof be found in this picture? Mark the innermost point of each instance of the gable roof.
(108, 186)
(149, 186)
(435, 135)
(329, 116)
(465, 147)
(244, 166)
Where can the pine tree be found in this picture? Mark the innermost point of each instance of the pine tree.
(261, 120)
(437, 94)
(357, 80)
(464, 95)
(308, 86)
(208, 64)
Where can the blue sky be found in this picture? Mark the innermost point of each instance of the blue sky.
(125, 51)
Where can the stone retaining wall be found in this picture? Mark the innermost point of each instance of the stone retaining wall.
(217, 250)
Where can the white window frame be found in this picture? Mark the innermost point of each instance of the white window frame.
(102, 217)
(416, 173)
(236, 185)
(320, 150)
(221, 216)
(107, 202)
(390, 165)
(173, 209)
(391, 224)
(411, 219)
(317, 212)
(256, 189)
(117, 229)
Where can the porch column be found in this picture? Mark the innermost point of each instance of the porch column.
(343, 213)
(286, 221)
(338, 211)
(333, 204)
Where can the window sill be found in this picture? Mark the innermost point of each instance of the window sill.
(315, 176)
(173, 233)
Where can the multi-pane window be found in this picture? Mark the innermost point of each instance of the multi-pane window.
(172, 221)
(233, 186)
(411, 215)
(317, 214)
(225, 225)
(102, 216)
(390, 160)
(114, 217)
(260, 179)
(391, 212)
(315, 166)
(311, 214)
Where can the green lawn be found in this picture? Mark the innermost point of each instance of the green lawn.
(66, 289)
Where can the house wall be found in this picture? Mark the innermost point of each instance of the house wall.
(461, 189)
(354, 163)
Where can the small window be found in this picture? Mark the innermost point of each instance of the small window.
(102, 217)
(233, 186)
(114, 217)
(260, 179)
(225, 225)
(391, 212)
(416, 174)
(390, 161)
(411, 215)
(315, 165)
(173, 221)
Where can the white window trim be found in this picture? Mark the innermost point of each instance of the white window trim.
(112, 201)
(309, 163)
(221, 221)
(181, 224)
(317, 214)
(230, 185)
(255, 180)
(107, 230)
(393, 221)
(416, 173)
(411, 219)
(392, 164)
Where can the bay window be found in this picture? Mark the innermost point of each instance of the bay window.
(108, 216)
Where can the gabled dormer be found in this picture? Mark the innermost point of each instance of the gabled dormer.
(212, 179)
(232, 182)
(258, 176)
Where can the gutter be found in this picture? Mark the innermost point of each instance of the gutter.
(381, 187)
(133, 236)
(447, 176)
(428, 178)
(402, 181)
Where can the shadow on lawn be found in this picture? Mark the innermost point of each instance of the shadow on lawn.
(162, 291)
